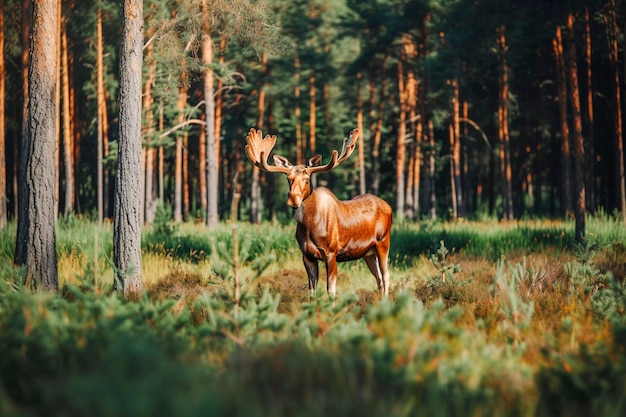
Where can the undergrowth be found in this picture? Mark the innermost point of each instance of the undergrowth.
(535, 327)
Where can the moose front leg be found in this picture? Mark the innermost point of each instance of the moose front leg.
(312, 269)
(331, 275)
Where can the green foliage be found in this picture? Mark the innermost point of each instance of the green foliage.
(208, 352)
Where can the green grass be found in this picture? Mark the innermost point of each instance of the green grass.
(483, 319)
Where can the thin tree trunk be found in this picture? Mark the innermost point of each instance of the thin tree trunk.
(256, 203)
(202, 167)
(455, 152)
(100, 114)
(620, 175)
(590, 187)
(41, 125)
(148, 100)
(401, 146)
(219, 108)
(161, 157)
(378, 128)
(577, 132)
(312, 120)
(455, 209)
(67, 129)
(361, 143)
(212, 158)
(566, 156)
(432, 194)
(297, 111)
(57, 136)
(3, 174)
(128, 190)
(504, 129)
(178, 169)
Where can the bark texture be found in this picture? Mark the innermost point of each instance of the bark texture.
(127, 209)
(39, 146)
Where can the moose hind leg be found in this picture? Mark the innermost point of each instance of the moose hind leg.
(382, 253)
(373, 264)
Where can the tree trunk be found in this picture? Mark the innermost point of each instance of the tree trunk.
(21, 238)
(68, 162)
(312, 121)
(212, 158)
(100, 114)
(401, 146)
(297, 111)
(620, 178)
(219, 110)
(432, 194)
(3, 174)
(577, 135)
(202, 167)
(127, 208)
(148, 100)
(178, 164)
(39, 146)
(455, 152)
(590, 183)
(507, 171)
(256, 201)
(57, 133)
(566, 156)
(361, 143)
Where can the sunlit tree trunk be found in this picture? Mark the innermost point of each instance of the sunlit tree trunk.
(149, 149)
(68, 162)
(432, 194)
(577, 134)
(100, 114)
(620, 178)
(38, 181)
(3, 185)
(219, 110)
(411, 108)
(297, 111)
(455, 153)
(128, 190)
(361, 140)
(401, 146)
(312, 120)
(505, 153)
(178, 163)
(378, 133)
(212, 158)
(256, 201)
(202, 167)
(57, 136)
(566, 156)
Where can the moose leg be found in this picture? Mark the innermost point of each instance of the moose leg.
(382, 253)
(331, 275)
(374, 267)
(311, 267)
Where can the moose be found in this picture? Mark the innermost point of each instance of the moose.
(330, 230)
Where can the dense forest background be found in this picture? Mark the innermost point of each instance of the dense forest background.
(467, 108)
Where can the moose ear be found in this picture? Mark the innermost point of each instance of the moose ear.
(315, 161)
(281, 161)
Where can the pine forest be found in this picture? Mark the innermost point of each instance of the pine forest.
(470, 152)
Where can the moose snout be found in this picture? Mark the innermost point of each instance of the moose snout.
(294, 201)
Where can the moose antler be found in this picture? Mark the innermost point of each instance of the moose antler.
(258, 149)
(349, 144)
